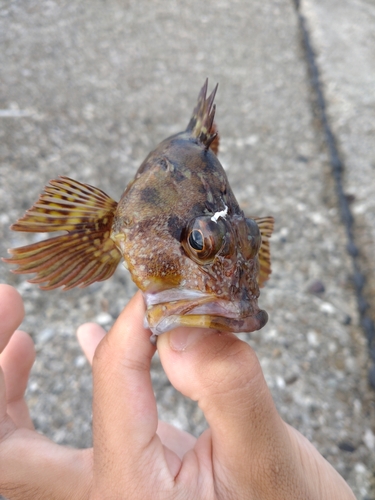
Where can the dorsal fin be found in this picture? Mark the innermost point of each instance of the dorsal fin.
(214, 146)
(201, 124)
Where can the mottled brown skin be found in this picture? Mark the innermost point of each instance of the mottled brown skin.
(178, 182)
(187, 244)
(171, 188)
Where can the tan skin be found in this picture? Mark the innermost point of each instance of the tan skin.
(248, 452)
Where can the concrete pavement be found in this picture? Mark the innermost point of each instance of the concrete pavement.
(87, 89)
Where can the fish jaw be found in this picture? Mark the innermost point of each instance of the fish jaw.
(169, 309)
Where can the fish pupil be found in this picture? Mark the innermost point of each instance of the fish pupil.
(196, 240)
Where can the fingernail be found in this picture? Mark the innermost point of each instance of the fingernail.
(181, 339)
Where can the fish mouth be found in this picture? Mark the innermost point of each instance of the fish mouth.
(169, 309)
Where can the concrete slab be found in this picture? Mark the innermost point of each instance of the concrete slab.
(86, 91)
(343, 38)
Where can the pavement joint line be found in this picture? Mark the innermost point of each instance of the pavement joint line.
(337, 169)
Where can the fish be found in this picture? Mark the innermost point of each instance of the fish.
(190, 249)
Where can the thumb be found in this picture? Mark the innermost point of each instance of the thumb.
(223, 374)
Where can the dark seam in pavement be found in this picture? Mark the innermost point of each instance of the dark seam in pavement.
(337, 168)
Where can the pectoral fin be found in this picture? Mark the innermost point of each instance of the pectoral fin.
(265, 225)
(82, 256)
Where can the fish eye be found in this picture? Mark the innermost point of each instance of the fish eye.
(196, 240)
(203, 239)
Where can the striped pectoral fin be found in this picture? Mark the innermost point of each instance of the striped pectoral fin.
(82, 256)
(66, 204)
(265, 225)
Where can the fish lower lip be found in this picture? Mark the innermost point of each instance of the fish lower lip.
(167, 310)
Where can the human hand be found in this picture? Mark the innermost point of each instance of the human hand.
(247, 453)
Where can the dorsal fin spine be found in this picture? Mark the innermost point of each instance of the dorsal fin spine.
(201, 123)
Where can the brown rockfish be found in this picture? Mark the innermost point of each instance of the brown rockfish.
(197, 259)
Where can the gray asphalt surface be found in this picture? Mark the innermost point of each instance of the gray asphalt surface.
(88, 88)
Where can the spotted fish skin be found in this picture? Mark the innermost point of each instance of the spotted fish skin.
(197, 258)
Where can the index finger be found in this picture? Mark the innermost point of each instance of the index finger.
(124, 408)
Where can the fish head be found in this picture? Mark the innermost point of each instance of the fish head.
(187, 243)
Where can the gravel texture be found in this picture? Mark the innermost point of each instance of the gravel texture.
(88, 88)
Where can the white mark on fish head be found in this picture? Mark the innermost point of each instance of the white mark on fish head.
(222, 214)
